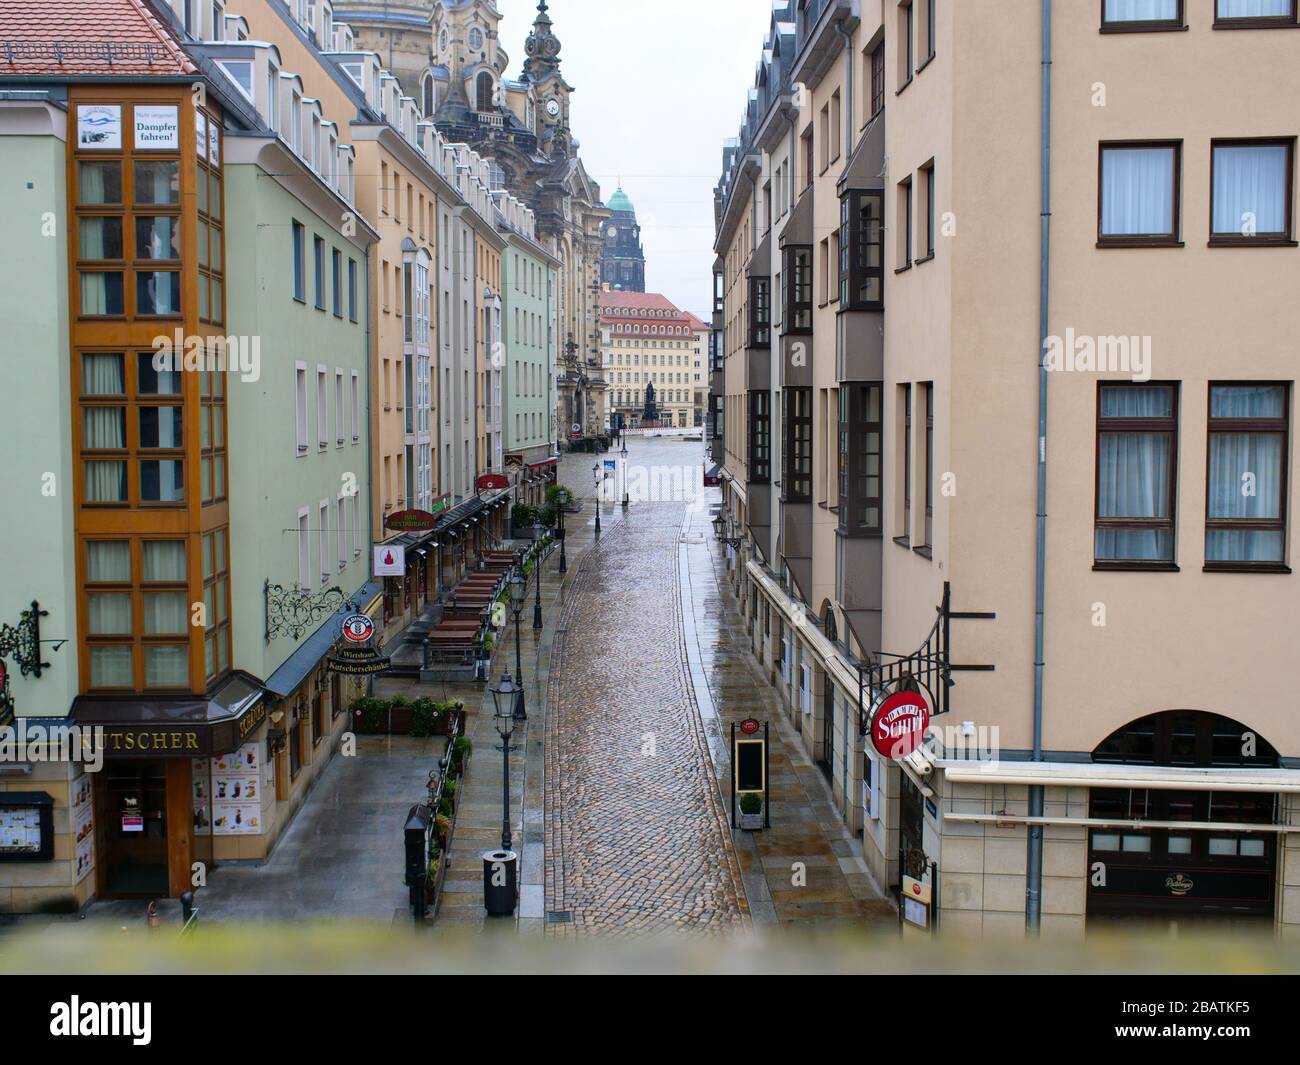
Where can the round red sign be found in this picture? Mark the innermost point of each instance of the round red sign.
(358, 628)
(899, 725)
(749, 726)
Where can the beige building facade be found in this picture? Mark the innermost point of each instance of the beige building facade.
(648, 341)
(1097, 753)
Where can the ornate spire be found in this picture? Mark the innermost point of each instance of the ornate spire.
(542, 47)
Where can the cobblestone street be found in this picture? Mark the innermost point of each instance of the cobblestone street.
(637, 838)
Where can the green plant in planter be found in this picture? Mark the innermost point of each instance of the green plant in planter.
(445, 809)
(449, 789)
(751, 803)
(460, 750)
(442, 826)
(424, 717)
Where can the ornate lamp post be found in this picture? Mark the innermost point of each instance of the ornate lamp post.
(562, 501)
(538, 533)
(503, 702)
(623, 453)
(595, 474)
(518, 593)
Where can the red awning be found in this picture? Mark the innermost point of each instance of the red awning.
(553, 461)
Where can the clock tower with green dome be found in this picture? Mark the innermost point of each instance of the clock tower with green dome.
(622, 260)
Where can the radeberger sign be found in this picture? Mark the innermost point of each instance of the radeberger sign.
(899, 725)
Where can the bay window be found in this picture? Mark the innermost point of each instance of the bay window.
(860, 458)
(760, 436)
(797, 292)
(796, 482)
(861, 253)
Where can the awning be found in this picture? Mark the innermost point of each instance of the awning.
(186, 726)
(293, 671)
(554, 460)
(1099, 775)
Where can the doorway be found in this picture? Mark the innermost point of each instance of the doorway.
(827, 761)
(132, 814)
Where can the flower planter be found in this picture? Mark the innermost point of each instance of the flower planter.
(751, 822)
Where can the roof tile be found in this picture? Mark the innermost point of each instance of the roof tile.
(87, 38)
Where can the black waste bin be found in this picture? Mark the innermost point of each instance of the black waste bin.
(500, 882)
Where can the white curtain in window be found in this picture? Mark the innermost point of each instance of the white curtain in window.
(1232, 457)
(166, 667)
(105, 482)
(163, 560)
(1141, 10)
(1253, 8)
(1250, 188)
(110, 667)
(101, 375)
(108, 561)
(103, 428)
(108, 613)
(1137, 191)
(1133, 482)
(94, 293)
(164, 613)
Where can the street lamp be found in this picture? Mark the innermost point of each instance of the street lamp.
(562, 501)
(624, 454)
(595, 476)
(503, 702)
(539, 530)
(518, 593)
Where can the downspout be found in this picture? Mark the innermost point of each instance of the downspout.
(1034, 858)
(847, 38)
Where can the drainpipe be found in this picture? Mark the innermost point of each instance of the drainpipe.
(848, 91)
(1034, 858)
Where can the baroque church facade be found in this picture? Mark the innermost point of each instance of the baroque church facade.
(447, 55)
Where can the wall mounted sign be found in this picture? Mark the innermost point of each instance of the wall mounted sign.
(390, 560)
(491, 481)
(26, 826)
(899, 724)
(228, 792)
(360, 660)
(358, 629)
(411, 520)
(157, 127)
(83, 825)
(99, 127)
(749, 726)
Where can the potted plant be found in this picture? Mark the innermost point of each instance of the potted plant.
(460, 751)
(751, 811)
(442, 830)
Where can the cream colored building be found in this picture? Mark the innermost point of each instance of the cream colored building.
(648, 341)
(1114, 740)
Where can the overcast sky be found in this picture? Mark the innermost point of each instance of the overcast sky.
(659, 86)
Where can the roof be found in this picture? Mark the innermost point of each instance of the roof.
(87, 38)
(695, 323)
(620, 202)
(638, 301)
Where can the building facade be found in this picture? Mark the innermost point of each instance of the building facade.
(648, 360)
(622, 261)
(1091, 759)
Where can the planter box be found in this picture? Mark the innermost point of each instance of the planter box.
(399, 721)
(751, 822)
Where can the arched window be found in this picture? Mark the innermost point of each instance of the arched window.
(1187, 738)
(429, 102)
(484, 90)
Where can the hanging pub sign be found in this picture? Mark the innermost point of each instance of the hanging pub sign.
(490, 482)
(356, 654)
(411, 521)
(390, 560)
(899, 724)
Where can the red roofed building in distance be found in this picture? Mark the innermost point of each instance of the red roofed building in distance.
(647, 340)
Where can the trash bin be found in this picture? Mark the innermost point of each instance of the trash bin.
(500, 882)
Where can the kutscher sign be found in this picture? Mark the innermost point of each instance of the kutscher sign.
(899, 725)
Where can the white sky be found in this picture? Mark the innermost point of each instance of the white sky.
(659, 85)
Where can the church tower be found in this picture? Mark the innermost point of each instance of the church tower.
(622, 259)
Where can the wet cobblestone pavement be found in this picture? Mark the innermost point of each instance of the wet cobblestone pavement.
(637, 839)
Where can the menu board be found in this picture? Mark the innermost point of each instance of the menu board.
(228, 793)
(20, 830)
(83, 824)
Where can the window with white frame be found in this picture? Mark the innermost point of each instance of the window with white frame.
(304, 548)
(356, 407)
(326, 567)
(300, 404)
(339, 408)
(322, 414)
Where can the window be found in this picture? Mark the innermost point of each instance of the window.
(1138, 194)
(798, 289)
(1127, 16)
(928, 188)
(878, 79)
(760, 311)
(809, 171)
(905, 227)
(906, 43)
(356, 406)
(322, 414)
(1251, 14)
(1137, 452)
(336, 263)
(216, 602)
(1245, 517)
(318, 246)
(796, 482)
(339, 408)
(861, 262)
(905, 510)
(300, 404)
(304, 549)
(929, 30)
(299, 263)
(760, 437)
(859, 459)
(1250, 191)
(928, 541)
(326, 544)
(352, 290)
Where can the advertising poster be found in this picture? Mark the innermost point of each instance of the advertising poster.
(20, 830)
(99, 126)
(83, 824)
(157, 127)
(236, 799)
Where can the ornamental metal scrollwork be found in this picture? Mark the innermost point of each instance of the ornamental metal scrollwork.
(294, 611)
(22, 642)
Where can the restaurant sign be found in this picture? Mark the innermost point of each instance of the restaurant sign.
(411, 521)
(899, 725)
(492, 481)
(356, 653)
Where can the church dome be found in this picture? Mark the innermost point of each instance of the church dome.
(620, 202)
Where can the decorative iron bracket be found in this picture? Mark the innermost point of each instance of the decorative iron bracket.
(294, 611)
(22, 642)
(926, 670)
